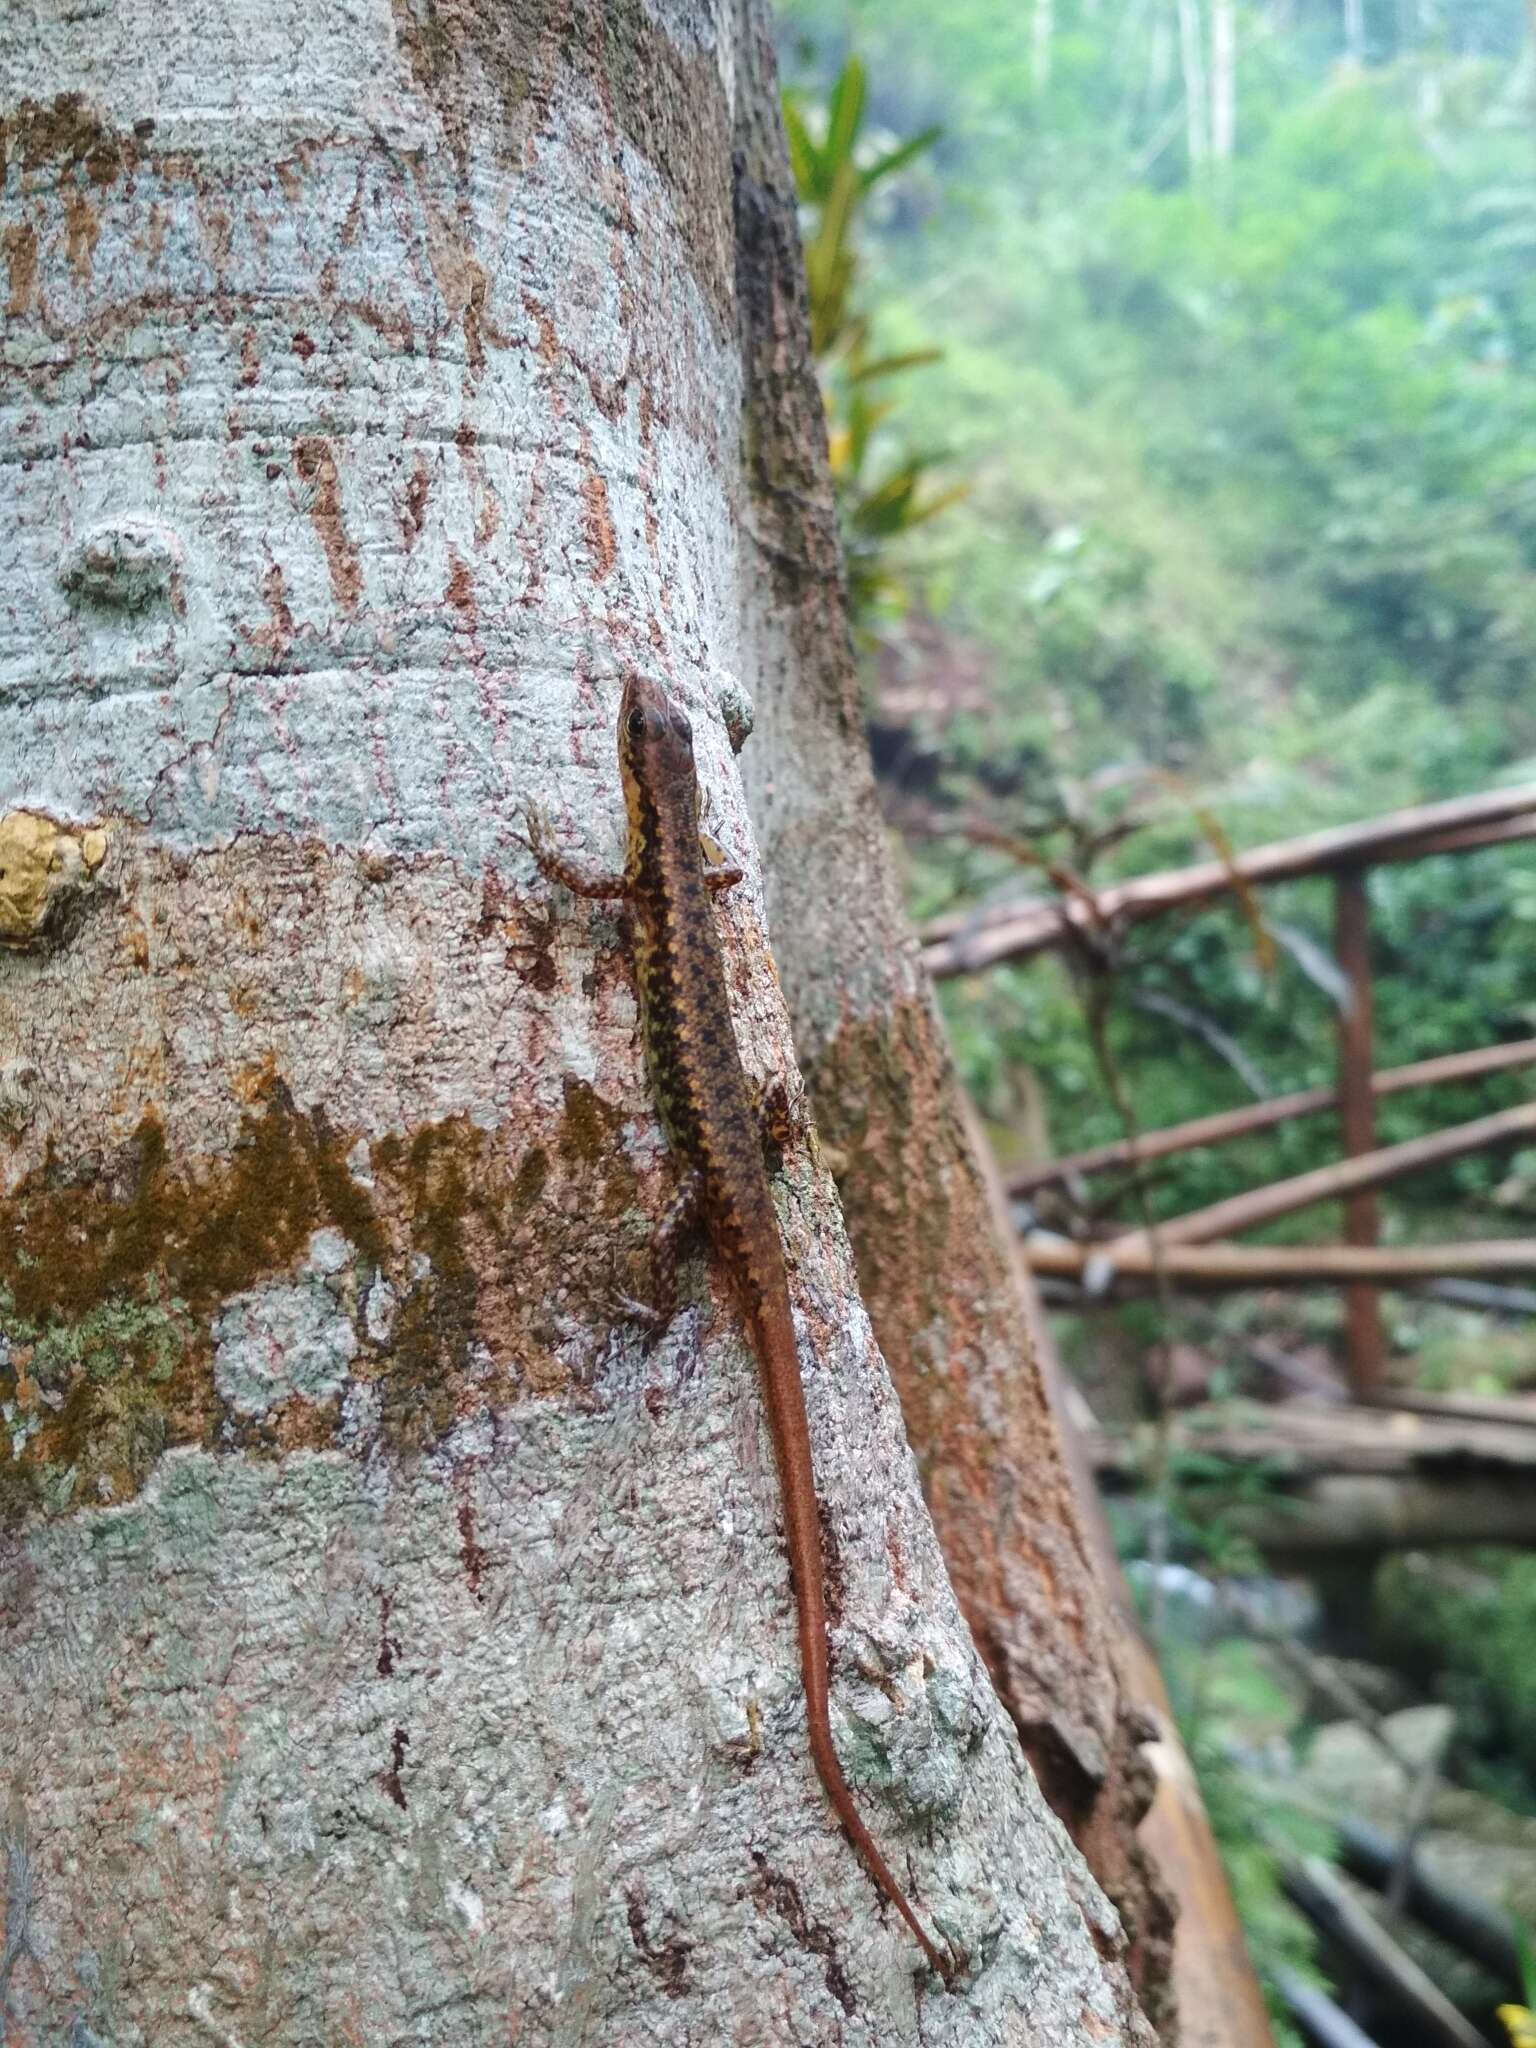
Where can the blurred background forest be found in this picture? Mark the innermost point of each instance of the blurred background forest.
(1180, 363)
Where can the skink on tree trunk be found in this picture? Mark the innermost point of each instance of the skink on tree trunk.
(715, 1131)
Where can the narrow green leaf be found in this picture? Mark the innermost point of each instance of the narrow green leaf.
(804, 156)
(888, 366)
(845, 110)
(931, 507)
(902, 154)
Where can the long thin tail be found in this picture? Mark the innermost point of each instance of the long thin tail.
(830, 1772)
(780, 1359)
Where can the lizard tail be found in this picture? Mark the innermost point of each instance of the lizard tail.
(780, 1359)
(830, 1771)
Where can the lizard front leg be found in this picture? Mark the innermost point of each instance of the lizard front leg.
(720, 871)
(553, 863)
(777, 1122)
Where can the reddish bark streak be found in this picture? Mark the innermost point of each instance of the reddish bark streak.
(317, 466)
(461, 590)
(599, 523)
(21, 259)
(415, 514)
(471, 1556)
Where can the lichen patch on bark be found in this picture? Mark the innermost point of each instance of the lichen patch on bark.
(289, 1341)
(46, 868)
(85, 1404)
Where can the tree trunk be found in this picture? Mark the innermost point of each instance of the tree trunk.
(1042, 32)
(1192, 60)
(392, 1648)
(1223, 80)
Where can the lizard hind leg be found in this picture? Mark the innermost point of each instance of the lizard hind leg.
(777, 1122)
(784, 1121)
(669, 1242)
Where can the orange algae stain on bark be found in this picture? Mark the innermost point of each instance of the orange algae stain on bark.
(317, 466)
(81, 230)
(65, 133)
(20, 245)
(599, 524)
(204, 1231)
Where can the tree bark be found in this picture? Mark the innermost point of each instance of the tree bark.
(392, 1648)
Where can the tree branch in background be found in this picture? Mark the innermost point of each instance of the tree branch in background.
(1263, 1116)
(1218, 1266)
(1325, 2023)
(1329, 1183)
(964, 945)
(1468, 1923)
(1355, 1479)
(1323, 1897)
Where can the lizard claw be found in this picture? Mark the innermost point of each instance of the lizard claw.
(628, 1309)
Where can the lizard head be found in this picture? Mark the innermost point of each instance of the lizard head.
(655, 743)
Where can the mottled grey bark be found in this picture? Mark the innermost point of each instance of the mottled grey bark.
(391, 1648)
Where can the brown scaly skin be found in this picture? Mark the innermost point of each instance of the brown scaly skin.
(707, 1108)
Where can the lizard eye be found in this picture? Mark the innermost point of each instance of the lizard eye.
(634, 725)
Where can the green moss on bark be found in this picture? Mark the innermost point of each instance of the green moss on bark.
(86, 1406)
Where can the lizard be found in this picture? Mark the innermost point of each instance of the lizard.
(707, 1110)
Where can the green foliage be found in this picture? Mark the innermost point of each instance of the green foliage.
(1230, 1700)
(884, 486)
(1248, 551)
(84, 1404)
(1456, 1352)
(1251, 532)
(1209, 1497)
(1473, 1619)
